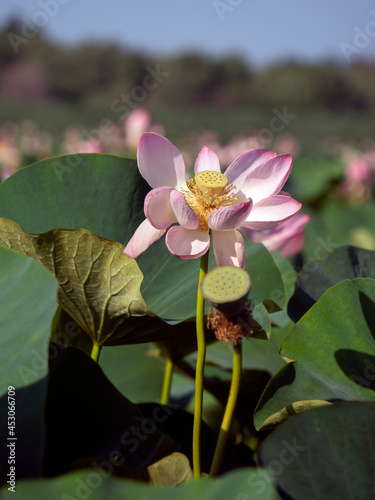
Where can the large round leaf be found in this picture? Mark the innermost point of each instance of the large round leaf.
(101, 193)
(28, 301)
(324, 454)
(334, 344)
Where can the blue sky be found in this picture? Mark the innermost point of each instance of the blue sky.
(262, 31)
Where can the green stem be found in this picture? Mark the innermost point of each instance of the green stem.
(201, 344)
(96, 348)
(167, 383)
(229, 410)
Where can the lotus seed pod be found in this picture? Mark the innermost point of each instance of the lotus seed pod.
(227, 288)
(210, 182)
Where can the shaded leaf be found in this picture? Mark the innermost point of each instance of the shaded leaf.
(87, 417)
(252, 385)
(325, 453)
(178, 424)
(289, 276)
(346, 262)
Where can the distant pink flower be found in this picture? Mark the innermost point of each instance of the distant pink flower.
(358, 181)
(288, 144)
(9, 155)
(288, 238)
(358, 171)
(137, 123)
(89, 146)
(211, 204)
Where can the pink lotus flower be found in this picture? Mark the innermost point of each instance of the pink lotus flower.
(211, 204)
(288, 238)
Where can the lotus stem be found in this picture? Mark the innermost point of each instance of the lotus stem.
(199, 372)
(96, 348)
(229, 410)
(167, 383)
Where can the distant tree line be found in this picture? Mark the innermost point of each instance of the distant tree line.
(98, 72)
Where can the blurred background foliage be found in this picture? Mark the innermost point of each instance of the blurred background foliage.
(45, 83)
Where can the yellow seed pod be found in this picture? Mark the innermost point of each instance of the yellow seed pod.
(226, 287)
(210, 182)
